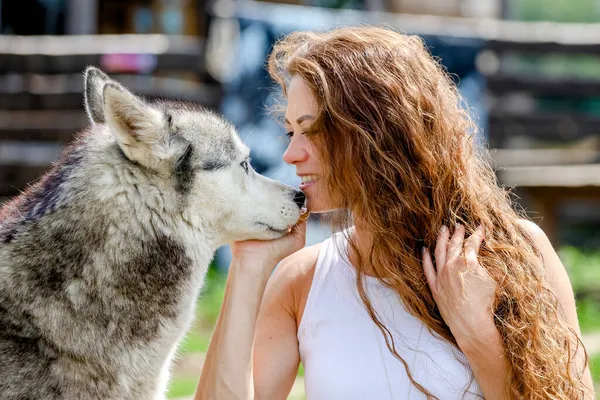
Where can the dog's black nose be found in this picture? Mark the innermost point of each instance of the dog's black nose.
(299, 198)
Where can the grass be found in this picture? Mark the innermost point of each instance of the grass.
(182, 386)
(196, 341)
(583, 268)
(211, 298)
(207, 312)
(595, 367)
(588, 312)
(301, 370)
(198, 337)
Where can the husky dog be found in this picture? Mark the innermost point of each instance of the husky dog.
(101, 261)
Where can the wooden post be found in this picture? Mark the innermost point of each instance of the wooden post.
(544, 206)
(81, 17)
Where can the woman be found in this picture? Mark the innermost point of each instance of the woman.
(443, 292)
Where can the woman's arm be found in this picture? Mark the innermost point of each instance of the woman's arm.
(227, 371)
(485, 353)
(464, 293)
(276, 352)
(558, 279)
(469, 318)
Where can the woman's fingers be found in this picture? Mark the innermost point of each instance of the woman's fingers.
(472, 245)
(449, 250)
(429, 270)
(455, 246)
(441, 247)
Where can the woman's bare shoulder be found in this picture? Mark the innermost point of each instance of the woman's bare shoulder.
(556, 274)
(531, 228)
(293, 279)
(300, 263)
(540, 240)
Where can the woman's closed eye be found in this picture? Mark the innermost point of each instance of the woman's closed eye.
(290, 134)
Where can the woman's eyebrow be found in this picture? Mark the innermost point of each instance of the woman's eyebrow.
(301, 119)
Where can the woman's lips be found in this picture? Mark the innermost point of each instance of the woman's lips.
(304, 186)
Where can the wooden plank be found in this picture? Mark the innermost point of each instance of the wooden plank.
(559, 126)
(34, 101)
(72, 63)
(150, 87)
(100, 44)
(543, 85)
(552, 176)
(44, 125)
(72, 53)
(39, 135)
(545, 46)
(499, 35)
(15, 178)
(544, 202)
(504, 158)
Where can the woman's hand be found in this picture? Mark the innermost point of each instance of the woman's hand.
(265, 254)
(462, 289)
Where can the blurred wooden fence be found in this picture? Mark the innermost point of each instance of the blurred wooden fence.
(41, 99)
(41, 89)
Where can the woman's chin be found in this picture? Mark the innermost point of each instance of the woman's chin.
(316, 207)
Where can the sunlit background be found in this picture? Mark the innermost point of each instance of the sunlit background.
(529, 71)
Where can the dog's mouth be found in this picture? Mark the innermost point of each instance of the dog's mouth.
(303, 217)
(273, 229)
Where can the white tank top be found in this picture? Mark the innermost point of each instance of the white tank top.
(344, 353)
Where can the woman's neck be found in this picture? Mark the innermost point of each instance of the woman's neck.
(363, 240)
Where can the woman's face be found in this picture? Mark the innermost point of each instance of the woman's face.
(300, 113)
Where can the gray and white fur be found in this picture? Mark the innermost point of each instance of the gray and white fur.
(102, 259)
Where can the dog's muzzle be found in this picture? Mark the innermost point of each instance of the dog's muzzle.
(299, 199)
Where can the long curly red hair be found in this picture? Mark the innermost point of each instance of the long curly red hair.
(399, 155)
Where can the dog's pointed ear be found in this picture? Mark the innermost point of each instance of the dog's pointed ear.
(95, 80)
(142, 131)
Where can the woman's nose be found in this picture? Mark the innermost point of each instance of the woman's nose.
(294, 153)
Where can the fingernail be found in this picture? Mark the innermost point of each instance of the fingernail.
(423, 250)
(444, 228)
